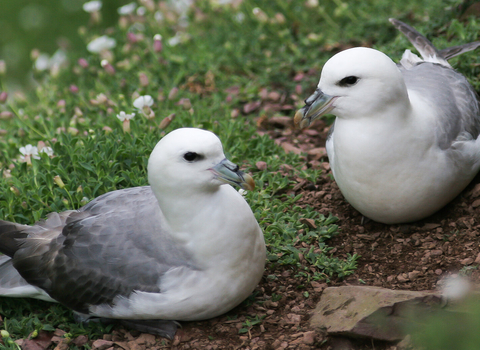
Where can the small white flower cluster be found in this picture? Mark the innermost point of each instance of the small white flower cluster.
(101, 43)
(28, 152)
(124, 116)
(127, 9)
(92, 6)
(142, 104)
(44, 61)
(143, 101)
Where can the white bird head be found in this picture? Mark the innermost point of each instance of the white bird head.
(190, 160)
(355, 83)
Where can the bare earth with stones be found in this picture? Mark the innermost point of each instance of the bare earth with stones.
(408, 257)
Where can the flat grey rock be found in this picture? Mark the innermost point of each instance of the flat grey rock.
(373, 312)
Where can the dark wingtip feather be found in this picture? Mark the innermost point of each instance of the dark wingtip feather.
(458, 50)
(420, 42)
(426, 48)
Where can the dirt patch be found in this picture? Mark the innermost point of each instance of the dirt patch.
(410, 256)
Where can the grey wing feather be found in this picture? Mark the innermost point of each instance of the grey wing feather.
(115, 245)
(450, 94)
(447, 91)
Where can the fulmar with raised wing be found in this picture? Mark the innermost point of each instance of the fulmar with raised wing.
(187, 247)
(405, 140)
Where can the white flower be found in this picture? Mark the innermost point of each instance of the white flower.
(127, 9)
(101, 43)
(143, 101)
(261, 16)
(181, 6)
(141, 11)
(28, 152)
(59, 57)
(125, 119)
(242, 192)
(42, 62)
(177, 39)
(240, 17)
(124, 116)
(221, 2)
(47, 150)
(158, 16)
(92, 6)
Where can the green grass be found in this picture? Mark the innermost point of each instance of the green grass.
(219, 53)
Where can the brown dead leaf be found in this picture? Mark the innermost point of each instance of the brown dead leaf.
(134, 345)
(261, 165)
(317, 153)
(123, 345)
(101, 344)
(31, 344)
(234, 113)
(272, 107)
(263, 94)
(42, 341)
(262, 121)
(298, 89)
(233, 90)
(299, 76)
(147, 339)
(274, 95)
(476, 191)
(81, 340)
(309, 222)
(251, 107)
(63, 344)
(288, 147)
(281, 120)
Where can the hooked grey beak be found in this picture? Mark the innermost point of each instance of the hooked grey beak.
(316, 106)
(230, 173)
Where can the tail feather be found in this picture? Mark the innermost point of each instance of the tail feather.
(13, 285)
(11, 235)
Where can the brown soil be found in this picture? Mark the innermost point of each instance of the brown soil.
(414, 257)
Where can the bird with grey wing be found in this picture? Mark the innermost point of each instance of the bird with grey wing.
(187, 247)
(405, 140)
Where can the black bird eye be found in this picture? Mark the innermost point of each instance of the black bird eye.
(348, 81)
(190, 156)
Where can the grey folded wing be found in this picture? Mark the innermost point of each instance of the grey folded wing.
(452, 98)
(115, 245)
(446, 91)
